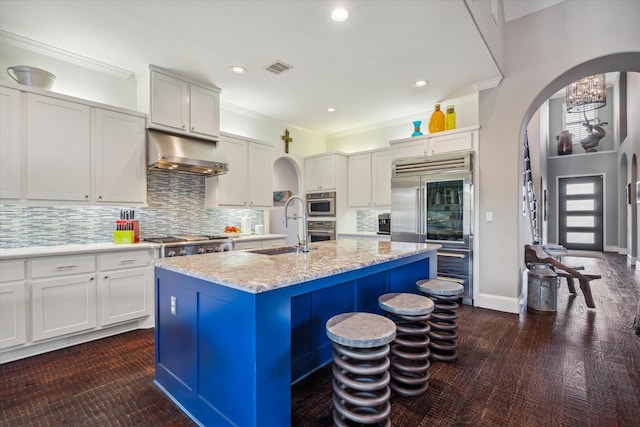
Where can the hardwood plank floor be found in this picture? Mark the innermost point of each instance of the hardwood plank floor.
(578, 367)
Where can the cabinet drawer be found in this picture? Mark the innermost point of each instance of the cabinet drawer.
(63, 265)
(11, 271)
(126, 259)
(447, 143)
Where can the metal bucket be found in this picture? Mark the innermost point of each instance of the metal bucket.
(542, 289)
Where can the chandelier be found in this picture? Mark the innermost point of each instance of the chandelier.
(586, 94)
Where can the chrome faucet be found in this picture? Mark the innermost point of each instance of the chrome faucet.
(305, 242)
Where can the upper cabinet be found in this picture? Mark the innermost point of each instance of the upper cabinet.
(58, 149)
(74, 150)
(249, 182)
(464, 139)
(325, 172)
(176, 104)
(10, 135)
(370, 180)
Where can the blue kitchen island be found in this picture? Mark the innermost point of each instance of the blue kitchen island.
(234, 330)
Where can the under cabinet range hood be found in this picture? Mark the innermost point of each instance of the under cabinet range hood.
(184, 154)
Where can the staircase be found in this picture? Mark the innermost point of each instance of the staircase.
(531, 202)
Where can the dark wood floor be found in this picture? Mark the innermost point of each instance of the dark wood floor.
(578, 367)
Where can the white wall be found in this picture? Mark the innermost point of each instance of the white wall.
(540, 59)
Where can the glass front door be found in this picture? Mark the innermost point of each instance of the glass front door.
(445, 213)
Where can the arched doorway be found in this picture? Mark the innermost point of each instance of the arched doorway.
(610, 63)
(286, 177)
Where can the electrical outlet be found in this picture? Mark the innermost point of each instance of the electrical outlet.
(174, 305)
(489, 216)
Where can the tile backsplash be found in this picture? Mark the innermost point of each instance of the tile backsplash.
(175, 206)
(368, 220)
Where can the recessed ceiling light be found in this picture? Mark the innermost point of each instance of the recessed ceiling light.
(420, 83)
(236, 69)
(331, 110)
(339, 15)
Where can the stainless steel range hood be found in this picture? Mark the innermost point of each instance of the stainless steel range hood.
(184, 154)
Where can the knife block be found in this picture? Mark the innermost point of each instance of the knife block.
(123, 236)
(125, 225)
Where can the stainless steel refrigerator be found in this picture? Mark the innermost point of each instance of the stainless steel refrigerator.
(432, 201)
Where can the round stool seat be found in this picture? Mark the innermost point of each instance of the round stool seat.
(408, 304)
(439, 287)
(360, 330)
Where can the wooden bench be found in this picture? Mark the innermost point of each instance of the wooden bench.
(536, 254)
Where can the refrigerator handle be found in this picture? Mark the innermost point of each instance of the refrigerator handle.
(418, 210)
(423, 211)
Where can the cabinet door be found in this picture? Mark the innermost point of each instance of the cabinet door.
(124, 294)
(205, 111)
(120, 157)
(360, 181)
(58, 149)
(321, 173)
(381, 179)
(260, 179)
(408, 149)
(232, 186)
(10, 143)
(63, 305)
(169, 101)
(449, 143)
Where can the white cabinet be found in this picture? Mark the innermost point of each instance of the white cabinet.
(257, 243)
(249, 182)
(463, 139)
(370, 180)
(325, 172)
(449, 142)
(58, 149)
(13, 300)
(63, 295)
(177, 104)
(125, 284)
(73, 151)
(119, 157)
(10, 133)
(408, 148)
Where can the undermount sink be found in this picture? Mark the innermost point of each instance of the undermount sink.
(278, 250)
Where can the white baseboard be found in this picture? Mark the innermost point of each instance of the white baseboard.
(498, 303)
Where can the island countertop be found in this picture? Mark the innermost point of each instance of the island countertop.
(255, 273)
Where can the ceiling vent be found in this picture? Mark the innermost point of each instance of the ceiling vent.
(278, 67)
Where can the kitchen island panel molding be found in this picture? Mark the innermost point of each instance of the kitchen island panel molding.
(247, 348)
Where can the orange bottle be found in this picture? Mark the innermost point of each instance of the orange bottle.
(437, 121)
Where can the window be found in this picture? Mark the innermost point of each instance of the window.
(573, 123)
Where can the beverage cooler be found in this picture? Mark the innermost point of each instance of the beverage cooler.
(432, 201)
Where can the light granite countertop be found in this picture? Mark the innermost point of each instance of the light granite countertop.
(38, 251)
(257, 273)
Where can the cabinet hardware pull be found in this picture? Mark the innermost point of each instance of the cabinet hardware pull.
(91, 279)
(127, 261)
(66, 267)
(451, 255)
(86, 196)
(106, 277)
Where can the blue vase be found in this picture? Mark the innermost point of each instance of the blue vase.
(416, 128)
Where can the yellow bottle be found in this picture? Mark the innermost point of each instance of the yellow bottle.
(437, 121)
(450, 117)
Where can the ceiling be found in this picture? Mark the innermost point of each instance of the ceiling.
(364, 67)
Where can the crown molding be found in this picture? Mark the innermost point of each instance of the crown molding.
(54, 52)
(487, 84)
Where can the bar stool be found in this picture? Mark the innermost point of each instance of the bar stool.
(443, 321)
(361, 368)
(410, 349)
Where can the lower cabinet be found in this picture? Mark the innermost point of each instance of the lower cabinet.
(13, 300)
(63, 305)
(125, 286)
(244, 245)
(51, 302)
